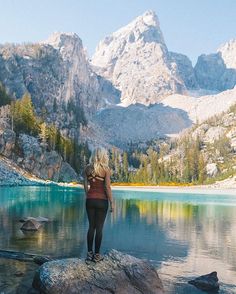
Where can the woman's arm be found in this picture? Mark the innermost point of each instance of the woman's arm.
(108, 188)
(85, 182)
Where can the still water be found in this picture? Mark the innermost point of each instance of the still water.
(182, 235)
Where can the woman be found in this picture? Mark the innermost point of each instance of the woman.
(97, 175)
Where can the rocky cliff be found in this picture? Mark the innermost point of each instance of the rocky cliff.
(217, 71)
(33, 157)
(57, 74)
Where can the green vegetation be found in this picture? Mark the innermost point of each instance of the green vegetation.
(24, 117)
(25, 120)
(152, 169)
(182, 160)
(5, 99)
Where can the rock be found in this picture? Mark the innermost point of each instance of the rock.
(41, 259)
(214, 133)
(206, 282)
(185, 69)
(211, 169)
(212, 74)
(38, 219)
(32, 157)
(117, 273)
(19, 274)
(231, 133)
(11, 176)
(233, 144)
(31, 225)
(47, 165)
(67, 173)
(5, 118)
(7, 142)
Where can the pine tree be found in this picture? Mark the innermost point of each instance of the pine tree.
(44, 135)
(4, 97)
(202, 171)
(125, 166)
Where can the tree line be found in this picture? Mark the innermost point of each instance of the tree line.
(25, 120)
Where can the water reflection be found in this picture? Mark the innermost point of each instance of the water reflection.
(182, 235)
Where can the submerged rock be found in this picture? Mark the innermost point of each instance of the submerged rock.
(117, 273)
(206, 282)
(41, 259)
(31, 225)
(38, 219)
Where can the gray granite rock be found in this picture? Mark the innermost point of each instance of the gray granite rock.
(7, 142)
(184, 69)
(10, 176)
(31, 225)
(31, 157)
(42, 163)
(212, 74)
(206, 282)
(67, 173)
(117, 273)
(211, 169)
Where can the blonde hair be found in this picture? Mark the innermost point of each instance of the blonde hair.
(99, 160)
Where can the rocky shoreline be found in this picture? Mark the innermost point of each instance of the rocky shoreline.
(11, 176)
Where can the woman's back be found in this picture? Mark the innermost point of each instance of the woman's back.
(97, 183)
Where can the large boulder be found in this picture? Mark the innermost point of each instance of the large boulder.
(214, 133)
(211, 169)
(117, 273)
(207, 282)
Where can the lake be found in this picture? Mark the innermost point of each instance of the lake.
(183, 235)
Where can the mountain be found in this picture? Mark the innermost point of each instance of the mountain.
(217, 71)
(133, 90)
(133, 68)
(215, 139)
(185, 69)
(140, 123)
(136, 60)
(57, 74)
(203, 107)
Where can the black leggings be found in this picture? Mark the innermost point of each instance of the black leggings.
(97, 211)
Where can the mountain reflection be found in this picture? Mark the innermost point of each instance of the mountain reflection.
(163, 229)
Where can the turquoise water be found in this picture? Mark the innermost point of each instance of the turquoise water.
(183, 235)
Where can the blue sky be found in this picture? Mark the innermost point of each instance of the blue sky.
(191, 27)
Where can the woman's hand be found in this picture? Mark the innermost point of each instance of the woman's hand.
(111, 206)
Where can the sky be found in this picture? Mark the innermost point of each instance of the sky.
(190, 27)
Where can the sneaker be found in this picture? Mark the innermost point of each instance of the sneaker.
(89, 256)
(97, 257)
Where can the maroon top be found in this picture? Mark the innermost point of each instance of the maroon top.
(97, 187)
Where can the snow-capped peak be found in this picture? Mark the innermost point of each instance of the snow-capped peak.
(228, 53)
(135, 58)
(144, 27)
